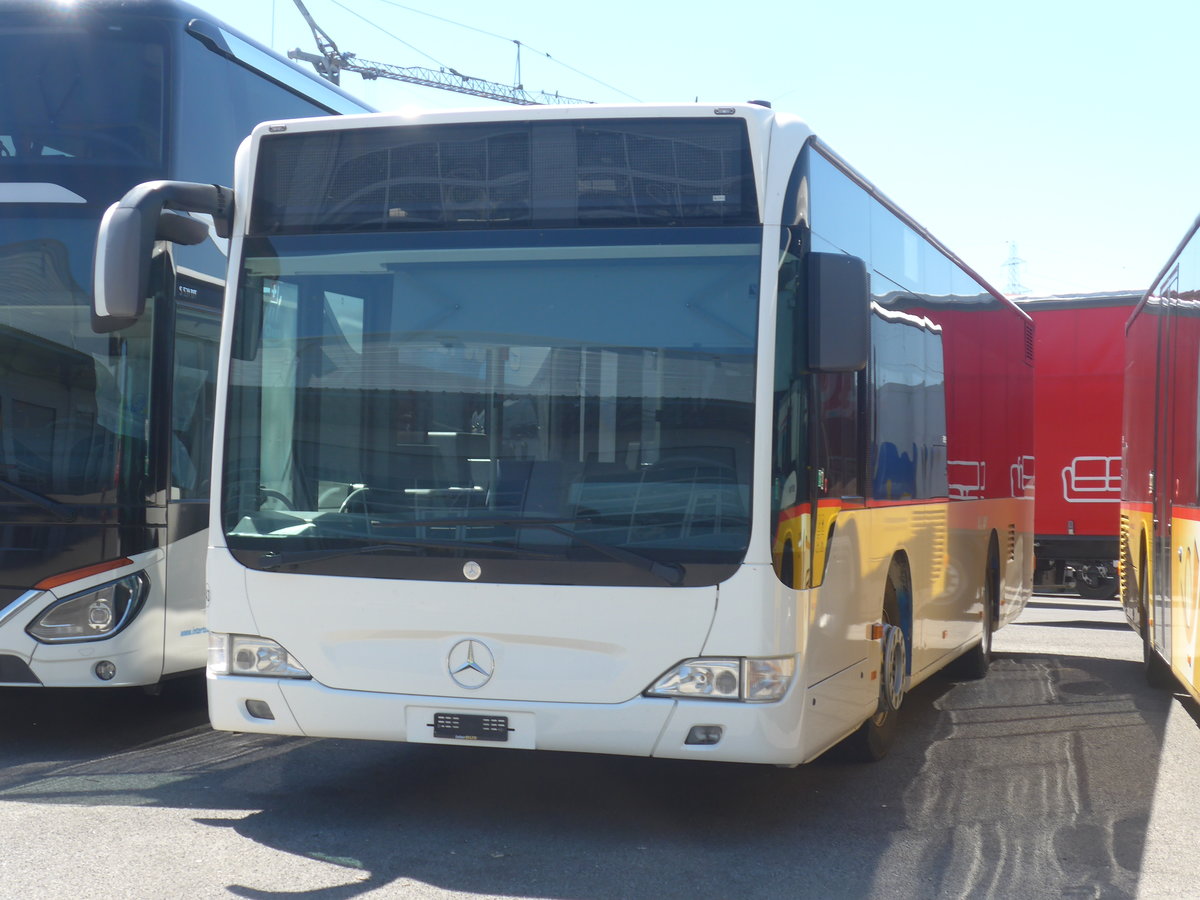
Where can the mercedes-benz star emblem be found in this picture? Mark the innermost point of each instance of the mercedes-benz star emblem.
(472, 570)
(471, 664)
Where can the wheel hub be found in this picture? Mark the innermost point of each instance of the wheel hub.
(895, 665)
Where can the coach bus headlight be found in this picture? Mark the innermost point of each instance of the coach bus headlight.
(94, 614)
(750, 680)
(241, 654)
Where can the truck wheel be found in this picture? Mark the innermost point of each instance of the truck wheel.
(1092, 584)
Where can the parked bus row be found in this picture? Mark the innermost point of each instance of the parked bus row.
(1080, 351)
(1118, 449)
(1160, 508)
(655, 430)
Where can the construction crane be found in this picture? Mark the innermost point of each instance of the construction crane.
(331, 62)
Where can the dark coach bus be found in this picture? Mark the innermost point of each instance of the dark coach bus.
(105, 430)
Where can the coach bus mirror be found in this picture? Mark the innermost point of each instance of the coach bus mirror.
(122, 264)
(125, 241)
(180, 229)
(839, 312)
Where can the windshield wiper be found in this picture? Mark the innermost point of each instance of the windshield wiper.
(671, 573)
(60, 511)
(273, 559)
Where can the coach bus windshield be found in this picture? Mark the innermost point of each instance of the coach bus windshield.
(89, 125)
(579, 400)
(63, 427)
(98, 99)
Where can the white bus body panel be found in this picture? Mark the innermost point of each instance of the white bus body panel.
(185, 636)
(551, 643)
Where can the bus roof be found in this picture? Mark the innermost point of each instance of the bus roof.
(214, 33)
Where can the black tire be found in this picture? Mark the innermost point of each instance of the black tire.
(874, 738)
(1091, 585)
(1158, 674)
(974, 664)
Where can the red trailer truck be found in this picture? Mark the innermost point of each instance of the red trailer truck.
(1079, 365)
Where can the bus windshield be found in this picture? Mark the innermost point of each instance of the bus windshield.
(517, 395)
(99, 96)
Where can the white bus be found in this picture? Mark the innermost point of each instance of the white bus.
(618, 429)
(106, 426)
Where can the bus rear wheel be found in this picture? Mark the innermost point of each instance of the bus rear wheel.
(1158, 673)
(1154, 667)
(974, 664)
(875, 736)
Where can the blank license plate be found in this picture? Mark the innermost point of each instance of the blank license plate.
(462, 727)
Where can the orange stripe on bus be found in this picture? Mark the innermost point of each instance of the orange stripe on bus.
(1189, 513)
(75, 574)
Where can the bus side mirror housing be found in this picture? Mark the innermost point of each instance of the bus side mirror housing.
(125, 241)
(839, 312)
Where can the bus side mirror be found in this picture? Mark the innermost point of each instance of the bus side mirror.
(125, 241)
(839, 312)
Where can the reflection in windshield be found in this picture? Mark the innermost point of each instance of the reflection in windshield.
(61, 416)
(95, 97)
(575, 397)
(506, 529)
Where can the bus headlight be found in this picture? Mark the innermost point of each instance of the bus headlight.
(243, 654)
(92, 615)
(749, 680)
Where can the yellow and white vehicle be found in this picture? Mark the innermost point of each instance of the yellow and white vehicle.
(651, 430)
(1160, 501)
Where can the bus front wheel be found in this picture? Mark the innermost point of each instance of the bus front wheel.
(875, 736)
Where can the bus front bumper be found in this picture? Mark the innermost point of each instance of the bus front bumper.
(642, 726)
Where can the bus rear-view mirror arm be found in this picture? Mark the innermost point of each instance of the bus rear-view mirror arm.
(129, 229)
(839, 312)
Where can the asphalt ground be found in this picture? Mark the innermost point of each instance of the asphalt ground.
(1060, 775)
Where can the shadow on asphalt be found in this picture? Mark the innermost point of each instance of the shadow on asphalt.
(990, 791)
(44, 725)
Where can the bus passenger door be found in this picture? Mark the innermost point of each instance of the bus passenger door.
(190, 438)
(1165, 476)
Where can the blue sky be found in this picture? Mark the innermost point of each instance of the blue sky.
(1068, 129)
